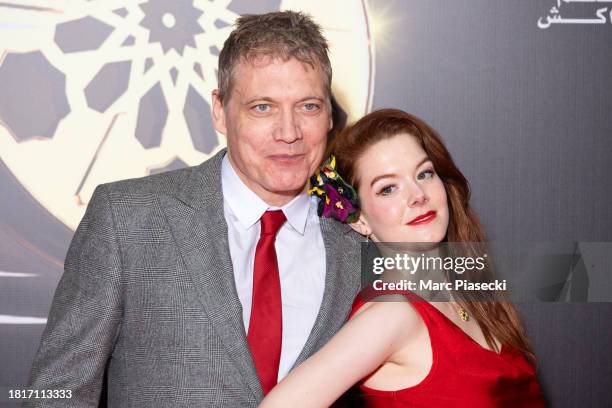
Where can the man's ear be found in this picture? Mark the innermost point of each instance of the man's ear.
(361, 226)
(218, 113)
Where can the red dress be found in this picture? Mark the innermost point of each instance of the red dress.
(462, 374)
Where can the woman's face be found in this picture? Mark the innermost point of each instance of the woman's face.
(402, 198)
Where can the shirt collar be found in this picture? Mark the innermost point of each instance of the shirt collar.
(248, 207)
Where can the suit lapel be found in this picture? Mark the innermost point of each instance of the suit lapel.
(197, 222)
(195, 216)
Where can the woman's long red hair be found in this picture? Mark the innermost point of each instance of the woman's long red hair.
(496, 316)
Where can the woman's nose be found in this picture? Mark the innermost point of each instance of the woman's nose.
(417, 196)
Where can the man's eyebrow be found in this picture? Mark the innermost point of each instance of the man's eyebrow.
(257, 99)
(268, 99)
(318, 98)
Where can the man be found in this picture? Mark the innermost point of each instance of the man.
(206, 285)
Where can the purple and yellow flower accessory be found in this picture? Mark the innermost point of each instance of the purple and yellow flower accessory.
(337, 198)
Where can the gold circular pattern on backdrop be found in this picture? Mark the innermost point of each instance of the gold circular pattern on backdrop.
(108, 90)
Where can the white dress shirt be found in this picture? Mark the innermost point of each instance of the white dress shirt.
(300, 252)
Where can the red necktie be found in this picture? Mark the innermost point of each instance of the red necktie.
(266, 323)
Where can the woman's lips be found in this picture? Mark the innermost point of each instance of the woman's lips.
(424, 218)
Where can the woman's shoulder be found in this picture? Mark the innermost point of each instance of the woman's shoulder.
(369, 296)
(387, 310)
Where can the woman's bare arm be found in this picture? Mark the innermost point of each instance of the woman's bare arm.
(366, 341)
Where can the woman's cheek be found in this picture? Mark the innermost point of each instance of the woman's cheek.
(445, 222)
(385, 212)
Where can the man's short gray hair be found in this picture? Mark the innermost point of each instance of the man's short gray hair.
(282, 34)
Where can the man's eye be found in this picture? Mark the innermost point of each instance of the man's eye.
(311, 107)
(425, 174)
(262, 107)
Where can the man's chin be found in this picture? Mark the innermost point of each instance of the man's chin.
(289, 189)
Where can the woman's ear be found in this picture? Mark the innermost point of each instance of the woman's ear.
(361, 226)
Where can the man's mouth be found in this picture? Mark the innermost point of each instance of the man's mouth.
(286, 158)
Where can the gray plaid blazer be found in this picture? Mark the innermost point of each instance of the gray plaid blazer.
(148, 294)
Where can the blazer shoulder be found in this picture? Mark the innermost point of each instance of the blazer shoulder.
(189, 183)
(342, 230)
(156, 184)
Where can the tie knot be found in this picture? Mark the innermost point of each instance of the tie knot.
(271, 222)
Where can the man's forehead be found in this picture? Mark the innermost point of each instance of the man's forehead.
(248, 66)
(271, 74)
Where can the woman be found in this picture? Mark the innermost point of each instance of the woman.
(468, 352)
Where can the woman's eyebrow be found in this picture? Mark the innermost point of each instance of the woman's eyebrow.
(390, 175)
(382, 176)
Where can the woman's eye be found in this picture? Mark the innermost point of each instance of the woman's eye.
(387, 190)
(262, 107)
(425, 174)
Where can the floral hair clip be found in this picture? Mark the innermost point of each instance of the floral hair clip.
(337, 198)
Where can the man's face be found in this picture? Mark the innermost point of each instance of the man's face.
(276, 120)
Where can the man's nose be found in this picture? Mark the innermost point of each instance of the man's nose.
(288, 130)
